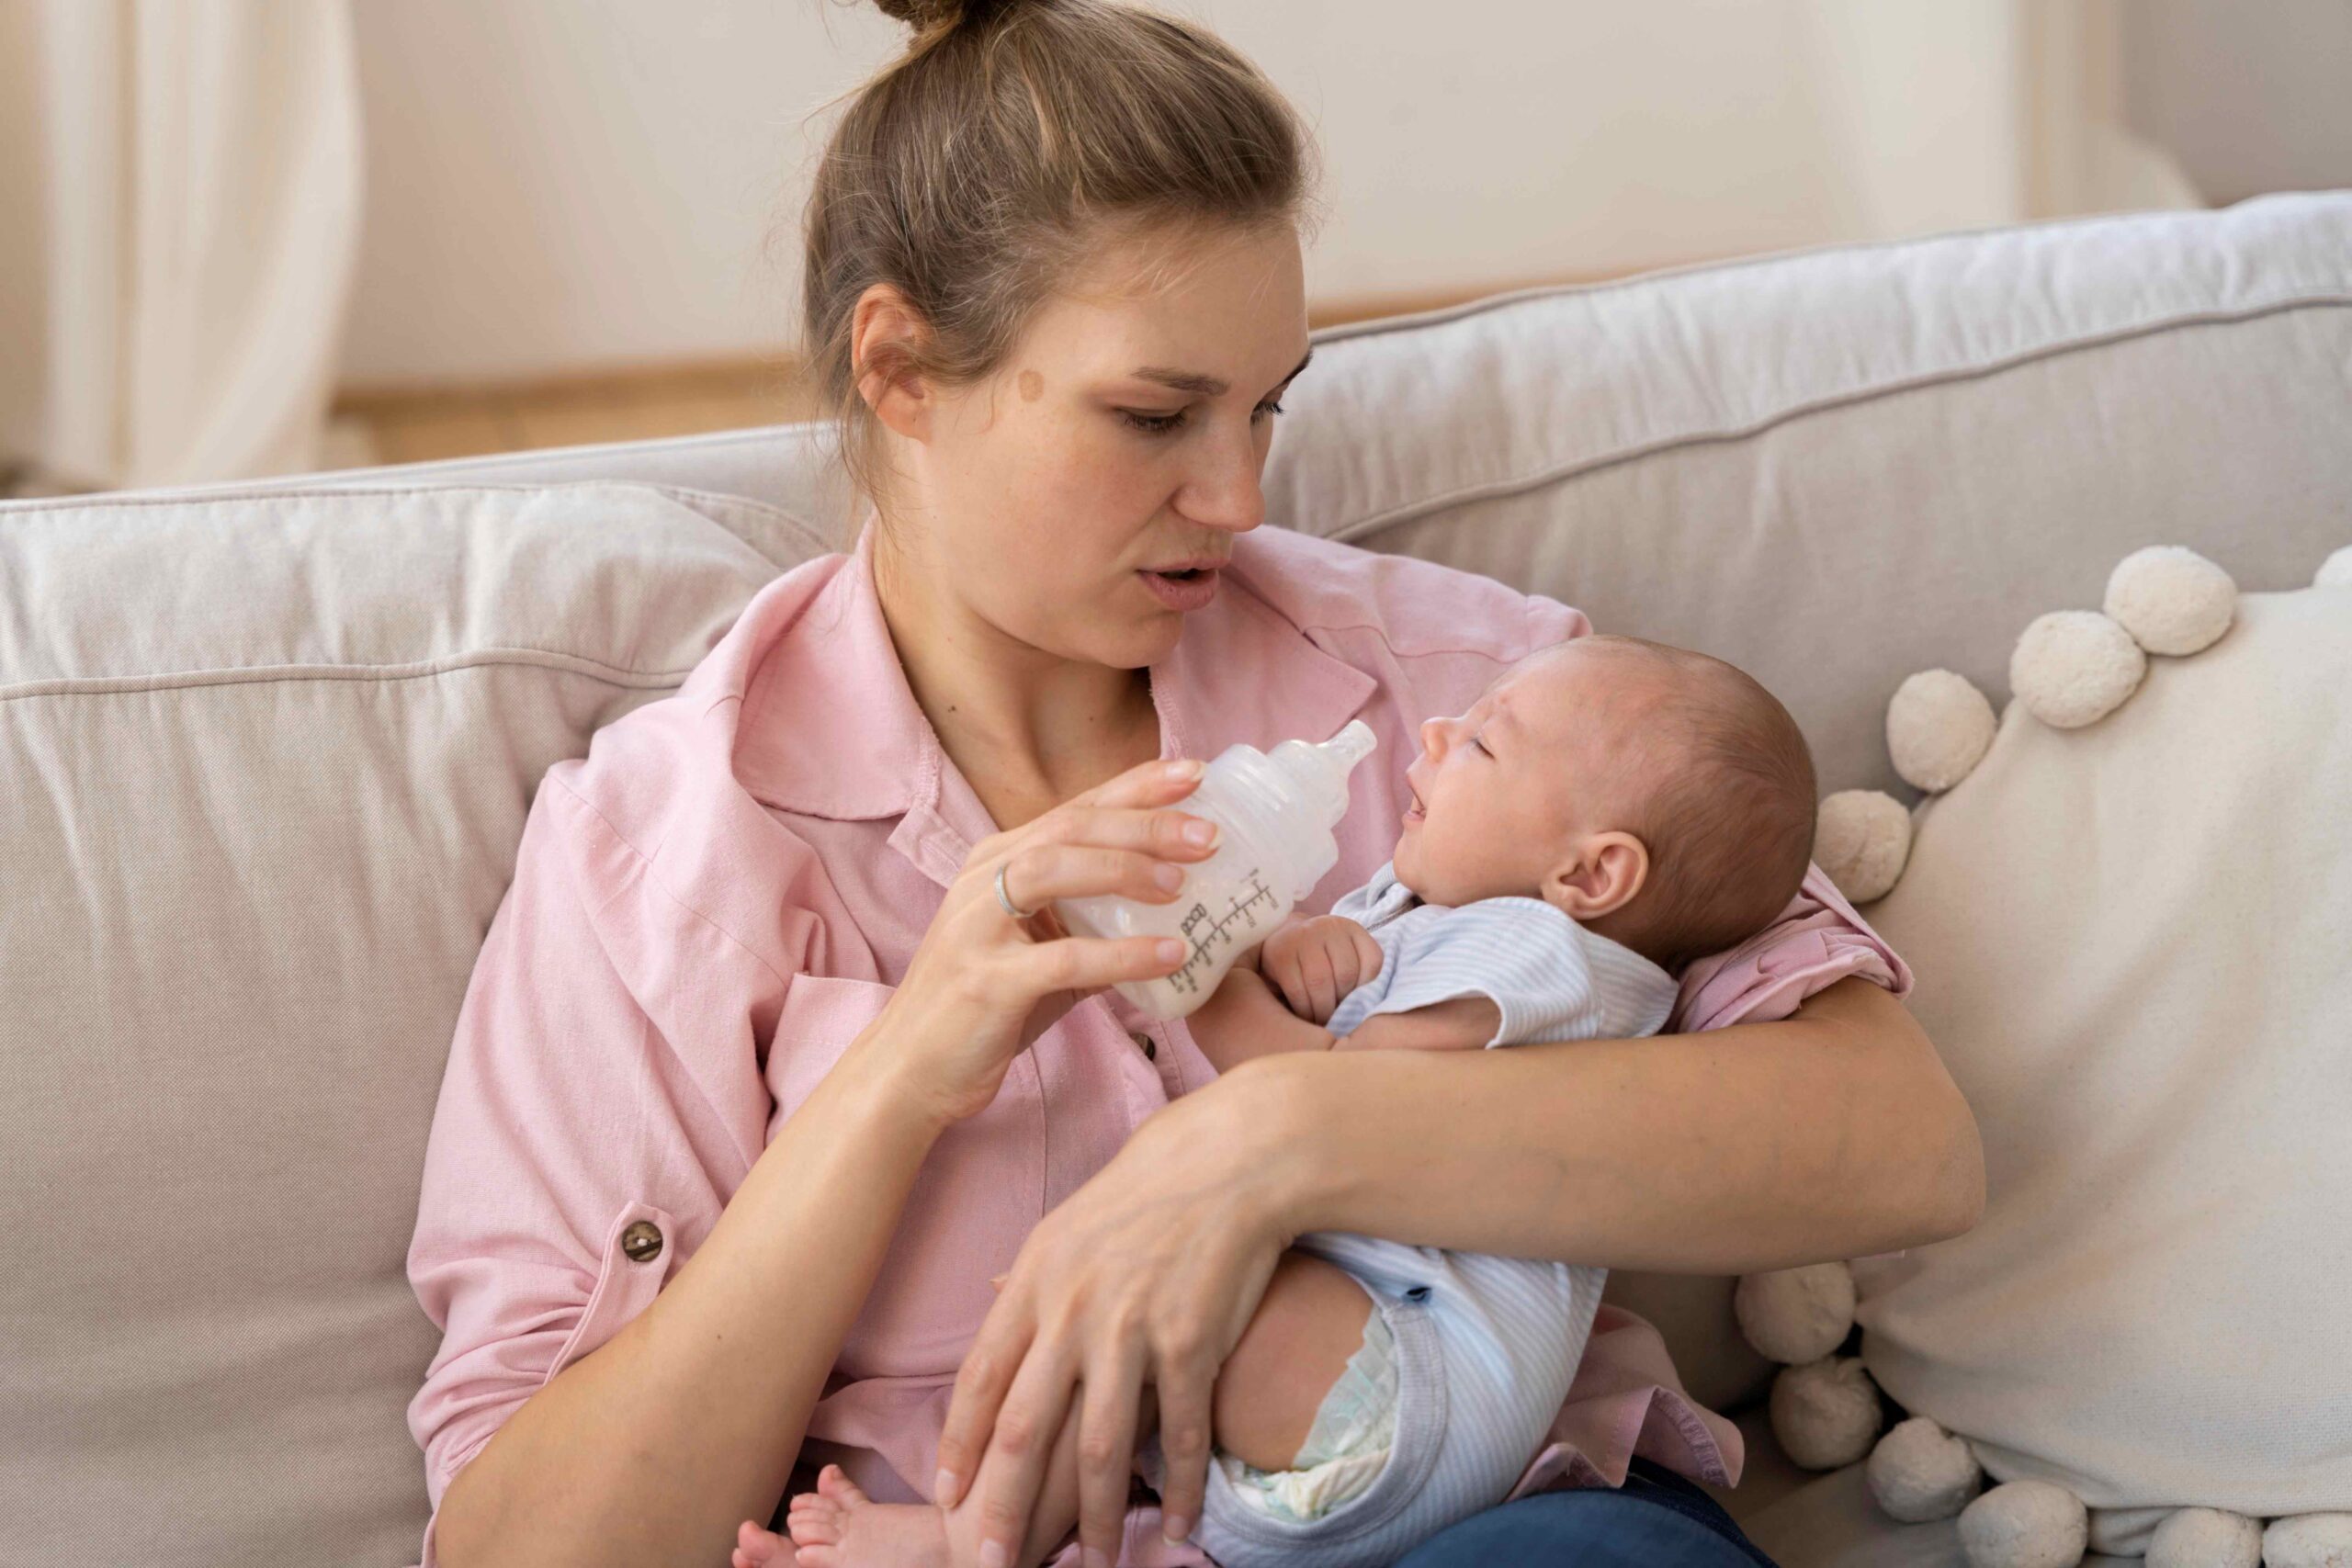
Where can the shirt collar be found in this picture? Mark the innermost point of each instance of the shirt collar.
(832, 729)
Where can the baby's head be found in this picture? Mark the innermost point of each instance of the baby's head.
(1660, 796)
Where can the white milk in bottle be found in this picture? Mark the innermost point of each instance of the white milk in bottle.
(1275, 810)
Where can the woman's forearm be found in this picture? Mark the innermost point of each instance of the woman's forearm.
(654, 1446)
(1833, 1134)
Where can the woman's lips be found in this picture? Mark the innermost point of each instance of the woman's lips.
(1181, 593)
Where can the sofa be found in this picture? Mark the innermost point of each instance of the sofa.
(267, 750)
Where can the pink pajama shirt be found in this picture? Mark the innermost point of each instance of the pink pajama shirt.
(708, 908)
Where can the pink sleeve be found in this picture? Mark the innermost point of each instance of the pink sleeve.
(1818, 940)
(601, 1101)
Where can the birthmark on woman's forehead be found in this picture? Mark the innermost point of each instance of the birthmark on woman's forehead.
(1033, 386)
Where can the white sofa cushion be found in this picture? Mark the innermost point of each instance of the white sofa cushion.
(264, 765)
(2133, 944)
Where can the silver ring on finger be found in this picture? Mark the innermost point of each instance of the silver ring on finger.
(1006, 898)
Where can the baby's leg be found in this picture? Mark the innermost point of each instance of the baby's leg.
(1309, 1323)
(1296, 1348)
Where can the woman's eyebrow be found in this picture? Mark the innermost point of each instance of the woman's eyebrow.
(1203, 386)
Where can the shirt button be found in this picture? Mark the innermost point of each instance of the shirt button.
(642, 1241)
(1144, 1043)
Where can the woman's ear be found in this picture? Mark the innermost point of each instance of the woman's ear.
(1599, 873)
(887, 335)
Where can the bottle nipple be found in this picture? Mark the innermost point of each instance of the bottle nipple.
(1317, 774)
(1348, 747)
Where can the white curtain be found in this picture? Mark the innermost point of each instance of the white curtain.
(180, 203)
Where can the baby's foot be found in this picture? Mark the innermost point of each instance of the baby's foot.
(758, 1547)
(837, 1525)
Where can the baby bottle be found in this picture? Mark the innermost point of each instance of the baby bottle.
(1275, 811)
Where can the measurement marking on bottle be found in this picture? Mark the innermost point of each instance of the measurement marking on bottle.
(1206, 927)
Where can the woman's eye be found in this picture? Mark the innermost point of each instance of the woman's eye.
(1168, 424)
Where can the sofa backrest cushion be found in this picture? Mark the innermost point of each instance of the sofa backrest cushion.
(264, 765)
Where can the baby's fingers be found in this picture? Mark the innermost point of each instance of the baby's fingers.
(1323, 987)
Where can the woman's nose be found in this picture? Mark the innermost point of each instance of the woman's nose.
(1225, 491)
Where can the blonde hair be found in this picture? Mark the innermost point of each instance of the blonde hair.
(1010, 141)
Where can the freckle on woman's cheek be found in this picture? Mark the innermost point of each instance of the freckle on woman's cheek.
(1033, 386)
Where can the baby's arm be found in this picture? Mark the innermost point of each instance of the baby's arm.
(1246, 1019)
(1315, 962)
(1464, 1023)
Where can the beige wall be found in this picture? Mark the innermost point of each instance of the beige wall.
(570, 184)
(2250, 97)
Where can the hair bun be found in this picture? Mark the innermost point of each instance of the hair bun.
(924, 15)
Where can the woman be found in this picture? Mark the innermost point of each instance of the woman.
(772, 1020)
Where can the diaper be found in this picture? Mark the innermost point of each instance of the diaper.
(1355, 1428)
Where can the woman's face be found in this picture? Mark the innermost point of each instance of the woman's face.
(1122, 440)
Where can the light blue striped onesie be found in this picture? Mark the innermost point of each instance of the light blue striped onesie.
(1479, 1350)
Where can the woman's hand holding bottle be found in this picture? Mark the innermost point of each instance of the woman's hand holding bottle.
(982, 985)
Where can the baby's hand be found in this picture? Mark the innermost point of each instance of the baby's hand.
(1315, 962)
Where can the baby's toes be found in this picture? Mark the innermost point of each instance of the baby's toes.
(834, 1482)
(758, 1547)
(814, 1521)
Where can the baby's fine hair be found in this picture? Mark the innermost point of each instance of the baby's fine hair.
(1730, 833)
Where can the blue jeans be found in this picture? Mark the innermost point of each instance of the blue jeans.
(1658, 1520)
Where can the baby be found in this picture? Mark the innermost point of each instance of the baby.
(1607, 811)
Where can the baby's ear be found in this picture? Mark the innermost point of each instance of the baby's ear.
(1596, 874)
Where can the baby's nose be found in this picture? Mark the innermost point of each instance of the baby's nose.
(1432, 735)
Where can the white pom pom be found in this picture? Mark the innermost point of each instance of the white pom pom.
(1862, 838)
(1937, 728)
(1920, 1472)
(2206, 1538)
(1797, 1314)
(2025, 1524)
(1825, 1413)
(2072, 667)
(2336, 571)
(2309, 1540)
(2171, 599)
